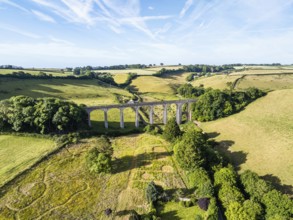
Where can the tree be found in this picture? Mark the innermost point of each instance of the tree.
(225, 176)
(98, 162)
(77, 71)
(199, 179)
(172, 130)
(277, 204)
(229, 194)
(162, 64)
(189, 150)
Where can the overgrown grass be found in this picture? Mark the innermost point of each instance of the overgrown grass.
(61, 187)
(260, 137)
(18, 153)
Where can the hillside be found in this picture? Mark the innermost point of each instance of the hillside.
(139, 159)
(260, 137)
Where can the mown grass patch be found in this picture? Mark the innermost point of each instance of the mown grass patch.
(173, 210)
(260, 137)
(18, 153)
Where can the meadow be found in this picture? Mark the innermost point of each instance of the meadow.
(53, 72)
(18, 153)
(145, 71)
(138, 159)
(260, 137)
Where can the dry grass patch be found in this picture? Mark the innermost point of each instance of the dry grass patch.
(260, 137)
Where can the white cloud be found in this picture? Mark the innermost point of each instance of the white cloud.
(151, 8)
(185, 8)
(43, 16)
(14, 5)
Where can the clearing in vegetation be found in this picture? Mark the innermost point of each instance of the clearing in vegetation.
(260, 137)
(61, 187)
(18, 153)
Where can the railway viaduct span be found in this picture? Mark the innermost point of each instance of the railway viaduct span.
(137, 105)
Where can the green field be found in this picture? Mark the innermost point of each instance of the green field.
(37, 71)
(139, 159)
(215, 82)
(145, 71)
(260, 137)
(17, 153)
(267, 83)
(89, 92)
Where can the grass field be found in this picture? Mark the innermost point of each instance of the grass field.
(268, 83)
(260, 137)
(120, 78)
(88, 92)
(18, 153)
(139, 159)
(215, 82)
(36, 72)
(146, 71)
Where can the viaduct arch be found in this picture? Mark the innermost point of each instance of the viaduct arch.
(137, 105)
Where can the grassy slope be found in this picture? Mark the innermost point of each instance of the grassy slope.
(264, 132)
(216, 82)
(87, 92)
(268, 83)
(18, 153)
(41, 194)
(36, 72)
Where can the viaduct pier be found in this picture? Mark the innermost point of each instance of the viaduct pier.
(137, 105)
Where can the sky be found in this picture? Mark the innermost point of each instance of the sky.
(70, 33)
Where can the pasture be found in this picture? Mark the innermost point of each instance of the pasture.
(17, 153)
(53, 72)
(61, 187)
(260, 137)
(145, 71)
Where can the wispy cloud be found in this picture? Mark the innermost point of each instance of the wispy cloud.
(43, 16)
(151, 8)
(115, 14)
(185, 8)
(19, 31)
(14, 5)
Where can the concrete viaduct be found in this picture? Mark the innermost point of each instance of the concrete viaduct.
(137, 105)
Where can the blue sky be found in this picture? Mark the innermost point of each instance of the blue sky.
(60, 33)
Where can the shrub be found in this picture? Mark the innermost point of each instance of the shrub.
(172, 130)
(228, 194)
(277, 204)
(200, 180)
(225, 176)
(98, 162)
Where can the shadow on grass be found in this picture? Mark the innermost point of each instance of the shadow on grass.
(131, 162)
(287, 189)
(235, 157)
(170, 215)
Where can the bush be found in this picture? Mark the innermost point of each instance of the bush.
(225, 176)
(172, 130)
(200, 180)
(98, 162)
(277, 204)
(189, 150)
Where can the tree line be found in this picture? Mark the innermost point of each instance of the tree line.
(104, 77)
(213, 103)
(41, 115)
(246, 196)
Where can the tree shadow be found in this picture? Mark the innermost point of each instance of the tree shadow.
(131, 162)
(170, 215)
(235, 157)
(213, 134)
(276, 182)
